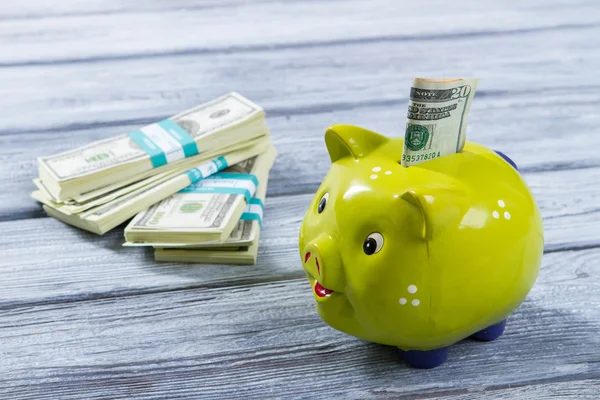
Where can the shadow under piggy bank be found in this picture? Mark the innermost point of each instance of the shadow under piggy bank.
(539, 345)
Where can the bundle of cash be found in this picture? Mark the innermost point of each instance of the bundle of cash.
(101, 185)
(245, 255)
(437, 118)
(215, 220)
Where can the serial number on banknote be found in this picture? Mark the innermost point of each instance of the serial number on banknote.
(420, 157)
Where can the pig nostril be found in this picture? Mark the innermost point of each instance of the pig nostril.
(318, 267)
(307, 257)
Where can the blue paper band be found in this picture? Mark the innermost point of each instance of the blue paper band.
(221, 190)
(256, 200)
(157, 156)
(223, 183)
(206, 169)
(233, 175)
(194, 174)
(185, 140)
(253, 216)
(164, 141)
(221, 163)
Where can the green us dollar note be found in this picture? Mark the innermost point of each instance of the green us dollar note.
(437, 118)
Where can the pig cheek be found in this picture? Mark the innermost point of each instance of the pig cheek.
(366, 277)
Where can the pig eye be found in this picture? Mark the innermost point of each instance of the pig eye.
(373, 243)
(323, 203)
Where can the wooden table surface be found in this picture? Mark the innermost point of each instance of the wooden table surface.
(84, 318)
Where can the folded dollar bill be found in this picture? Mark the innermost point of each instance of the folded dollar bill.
(437, 118)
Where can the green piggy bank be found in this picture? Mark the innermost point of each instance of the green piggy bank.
(419, 257)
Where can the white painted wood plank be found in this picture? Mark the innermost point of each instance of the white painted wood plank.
(46, 8)
(68, 263)
(581, 390)
(266, 339)
(42, 9)
(250, 24)
(542, 66)
(38, 9)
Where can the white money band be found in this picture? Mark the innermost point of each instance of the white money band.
(254, 211)
(165, 142)
(226, 183)
(206, 169)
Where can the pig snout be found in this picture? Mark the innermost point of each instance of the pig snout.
(322, 261)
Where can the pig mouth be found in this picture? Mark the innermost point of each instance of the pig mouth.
(322, 291)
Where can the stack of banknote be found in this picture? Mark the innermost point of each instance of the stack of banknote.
(215, 220)
(105, 183)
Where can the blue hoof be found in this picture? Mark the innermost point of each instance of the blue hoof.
(507, 159)
(491, 332)
(425, 359)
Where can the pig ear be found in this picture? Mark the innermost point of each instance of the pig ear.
(418, 203)
(351, 141)
(427, 204)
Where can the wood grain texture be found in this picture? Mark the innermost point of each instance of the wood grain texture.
(184, 27)
(82, 317)
(266, 340)
(546, 63)
(42, 9)
(581, 390)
